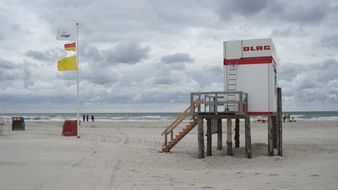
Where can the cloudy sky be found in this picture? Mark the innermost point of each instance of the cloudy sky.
(148, 55)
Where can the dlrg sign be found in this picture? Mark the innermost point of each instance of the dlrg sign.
(256, 48)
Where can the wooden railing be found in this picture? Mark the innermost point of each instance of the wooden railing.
(217, 102)
(179, 119)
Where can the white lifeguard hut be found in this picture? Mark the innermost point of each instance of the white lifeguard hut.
(250, 66)
(250, 89)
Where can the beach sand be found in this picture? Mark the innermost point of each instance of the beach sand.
(125, 155)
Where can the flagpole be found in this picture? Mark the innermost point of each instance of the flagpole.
(77, 81)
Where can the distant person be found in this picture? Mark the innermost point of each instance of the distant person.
(284, 117)
(92, 117)
(288, 117)
(226, 109)
(87, 117)
(84, 118)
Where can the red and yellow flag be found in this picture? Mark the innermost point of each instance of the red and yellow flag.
(70, 46)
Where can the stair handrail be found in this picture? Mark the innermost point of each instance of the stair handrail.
(180, 118)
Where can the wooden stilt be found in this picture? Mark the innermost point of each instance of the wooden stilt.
(219, 134)
(270, 136)
(200, 138)
(165, 140)
(274, 131)
(248, 152)
(237, 133)
(209, 138)
(229, 136)
(279, 123)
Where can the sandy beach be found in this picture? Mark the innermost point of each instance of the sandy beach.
(125, 155)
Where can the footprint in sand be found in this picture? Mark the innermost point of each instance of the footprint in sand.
(314, 175)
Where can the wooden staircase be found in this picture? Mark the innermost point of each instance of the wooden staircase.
(170, 129)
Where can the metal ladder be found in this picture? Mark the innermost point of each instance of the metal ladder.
(231, 87)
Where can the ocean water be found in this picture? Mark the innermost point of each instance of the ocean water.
(98, 116)
(322, 115)
(311, 115)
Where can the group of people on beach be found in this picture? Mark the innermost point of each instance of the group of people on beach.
(87, 117)
(288, 117)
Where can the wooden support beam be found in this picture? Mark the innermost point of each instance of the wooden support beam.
(219, 134)
(165, 140)
(209, 138)
(237, 133)
(279, 123)
(270, 136)
(200, 137)
(229, 136)
(248, 152)
(274, 131)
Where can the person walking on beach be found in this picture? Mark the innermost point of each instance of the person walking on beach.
(87, 117)
(84, 117)
(284, 117)
(92, 117)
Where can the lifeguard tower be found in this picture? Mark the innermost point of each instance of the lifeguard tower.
(250, 89)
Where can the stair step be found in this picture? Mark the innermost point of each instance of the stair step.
(182, 133)
(188, 127)
(185, 130)
(171, 144)
(178, 137)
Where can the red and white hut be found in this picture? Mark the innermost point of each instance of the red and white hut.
(250, 66)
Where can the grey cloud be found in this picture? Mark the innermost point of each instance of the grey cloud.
(7, 73)
(289, 31)
(307, 13)
(4, 64)
(66, 75)
(129, 53)
(265, 10)
(322, 71)
(327, 70)
(33, 100)
(310, 96)
(177, 58)
(166, 78)
(288, 71)
(91, 53)
(101, 76)
(329, 41)
(228, 9)
(313, 85)
(305, 81)
(282, 32)
(47, 55)
(10, 71)
(248, 7)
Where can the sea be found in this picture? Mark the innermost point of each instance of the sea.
(135, 117)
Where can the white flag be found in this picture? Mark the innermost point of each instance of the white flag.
(68, 35)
